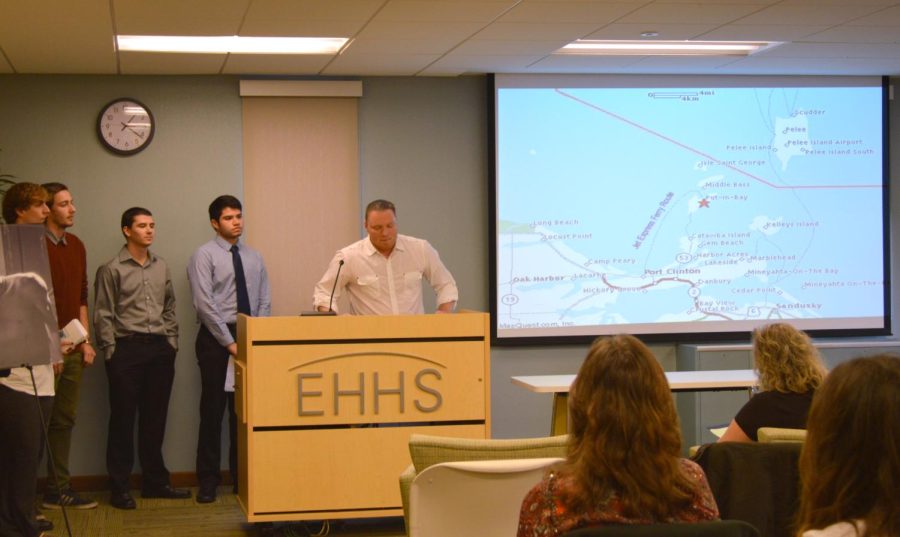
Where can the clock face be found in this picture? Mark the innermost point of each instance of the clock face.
(125, 126)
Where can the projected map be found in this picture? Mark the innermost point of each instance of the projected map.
(655, 208)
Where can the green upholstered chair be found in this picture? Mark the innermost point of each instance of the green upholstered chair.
(426, 450)
(777, 435)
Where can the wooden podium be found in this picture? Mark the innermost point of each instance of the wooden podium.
(326, 406)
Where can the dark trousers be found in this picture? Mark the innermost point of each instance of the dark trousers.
(21, 438)
(213, 361)
(140, 373)
(62, 421)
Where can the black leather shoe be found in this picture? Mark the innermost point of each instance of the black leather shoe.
(206, 495)
(122, 500)
(167, 492)
(42, 523)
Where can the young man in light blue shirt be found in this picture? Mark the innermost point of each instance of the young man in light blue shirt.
(227, 277)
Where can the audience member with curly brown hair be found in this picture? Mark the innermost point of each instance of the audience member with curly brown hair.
(624, 462)
(790, 370)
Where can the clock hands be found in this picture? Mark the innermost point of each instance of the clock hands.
(126, 125)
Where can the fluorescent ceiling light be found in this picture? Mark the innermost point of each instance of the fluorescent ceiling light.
(664, 48)
(231, 44)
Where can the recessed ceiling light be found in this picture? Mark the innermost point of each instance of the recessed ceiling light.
(665, 48)
(649, 34)
(231, 44)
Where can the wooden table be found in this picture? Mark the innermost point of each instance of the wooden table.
(679, 381)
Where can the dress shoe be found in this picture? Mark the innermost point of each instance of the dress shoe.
(206, 495)
(42, 523)
(167, 492)
(122, 500)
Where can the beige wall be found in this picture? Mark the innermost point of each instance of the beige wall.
(301, 188)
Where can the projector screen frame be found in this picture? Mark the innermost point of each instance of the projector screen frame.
(662, 337)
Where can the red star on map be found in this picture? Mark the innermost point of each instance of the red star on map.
(704, 203)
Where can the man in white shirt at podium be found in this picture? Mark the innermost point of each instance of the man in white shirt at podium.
(383, 272)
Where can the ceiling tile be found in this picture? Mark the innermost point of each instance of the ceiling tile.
(566, 11)
(757, 3)
(444, 32)
(279, 64)
(177, 17)
(582, 64)
(826, 51)
(313, 10)
(147, 63)
(479, 47)
(379, 64)
(821, 3)
(813, 15)
(400, 46)
(526, 31)
(85, 47)
(665, 31)
(457, 64)
(693, 13)
(304, 28)
(856, 34)
(310, 18)
(443, 10)
(757, 32)
(681, 64)
(890, 16)
(803, 66)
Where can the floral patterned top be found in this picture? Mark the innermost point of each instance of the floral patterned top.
(545, 510)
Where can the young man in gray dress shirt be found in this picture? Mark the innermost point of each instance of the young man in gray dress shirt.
(136, 330)
(215, 289)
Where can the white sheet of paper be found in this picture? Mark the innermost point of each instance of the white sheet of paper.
(229, 375)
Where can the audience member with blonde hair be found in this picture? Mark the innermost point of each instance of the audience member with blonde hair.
(850, 463)
(790, 370)
(624, 462)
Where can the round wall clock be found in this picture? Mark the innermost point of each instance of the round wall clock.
(125, 126)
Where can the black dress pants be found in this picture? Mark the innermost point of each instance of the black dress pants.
(140, 372)
(213, 361)
(21, 438)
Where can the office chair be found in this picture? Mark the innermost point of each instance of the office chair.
(472, 497)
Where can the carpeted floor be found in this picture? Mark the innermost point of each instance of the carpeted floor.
(222, 518)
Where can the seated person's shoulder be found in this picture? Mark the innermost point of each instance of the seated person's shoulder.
(691, 468)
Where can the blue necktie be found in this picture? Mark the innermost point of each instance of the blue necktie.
(240, 282)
